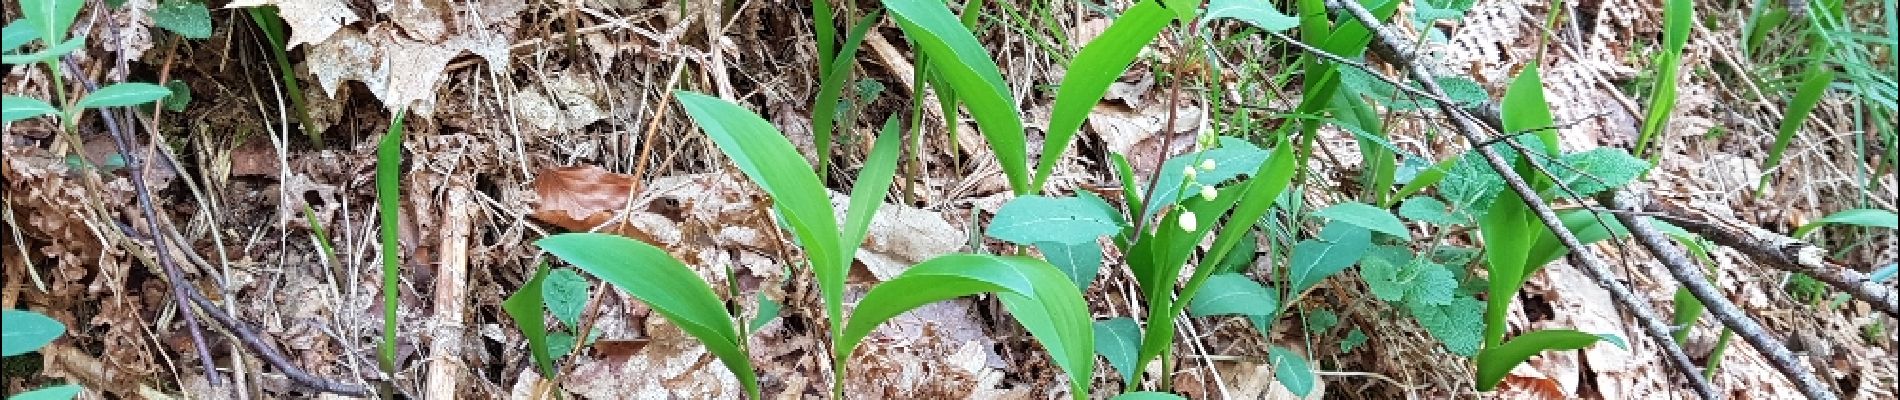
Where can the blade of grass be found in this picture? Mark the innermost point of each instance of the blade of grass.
(388, 207)
(824, 111)
(1818, 77)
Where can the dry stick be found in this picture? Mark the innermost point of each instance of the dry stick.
(172, 274)
(187, 294)
(1580, 254)
(1781, 252)
(451, 294)
(1693, 279)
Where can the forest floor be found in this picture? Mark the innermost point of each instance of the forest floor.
(529, 119)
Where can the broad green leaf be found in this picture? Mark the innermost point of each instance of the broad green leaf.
(1233, 294)
(1508, 240)
(768, 310)
(51, 17)
(955, 55)
(769, 159)
(1233, 158)
(181, 96)
(1262, 190)
(1428, 209)
(1081, 262)
(1118, 340)
(560, 344)
(1067, 220)
(1148, 396)
(389, 219)
(1596, 170)
(1526, 111)
(16, 34)
(61, 392)
(833, 77)
(1035, 294)
(25, 331)
(565, 293)
(184, 17)
(1868, 217)
(15, 108)
(49, 53)
(1496, 361)
(874, 182)
(1458, 325)
(1099, 64)
(1365, 216)
(664, 283)
(525, 308)
(1291, 370)
(124, 94)
(1339, 246)
(1258, 13)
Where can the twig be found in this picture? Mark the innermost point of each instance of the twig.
(1778, 251)
(1583, 256)
(172, 275)
(1692, 279)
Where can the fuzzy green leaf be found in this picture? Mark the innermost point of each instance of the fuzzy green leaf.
(565, 293)
(1596, 170)
(1352, 341)
(1429, 209)
(184, 17)
(1459, 325)
(664, 283)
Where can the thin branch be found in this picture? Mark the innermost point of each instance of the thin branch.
(1693, 279)
(1584, 256)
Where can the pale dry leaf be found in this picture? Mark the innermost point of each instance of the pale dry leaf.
(310, 21)
(900, 236)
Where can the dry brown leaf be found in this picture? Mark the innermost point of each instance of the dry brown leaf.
(310, 21)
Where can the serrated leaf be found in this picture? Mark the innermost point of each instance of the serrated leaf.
(61, 392)
(1081, 262)
(124, 94)
(1382, 279)
(1596, 170)
(15, 108)
(1496, 362)
(1118, 340)
(656, 278)
(1458, 325)
(1067, 220)
(1233, 294)
(1429, 209)
(184, 17)
(24, 331)
(1260, 14)
(565, 293)
(1365, 216)
(1291, 370)
(1432, 284)
(1313, 260)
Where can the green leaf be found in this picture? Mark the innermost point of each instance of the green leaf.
(1365, 216)
(1067, 220)
(1868, 217)
(1508, 240)
(664, 283)
(565, 293)
(17, 108)
(16, 34)
(560, 344)
(1458, 325)
(768, 310)
(1233, 158)
(49, 53)
(1596, 170)
(1525, 110)
(874, 182)
(1099, 64)
(769, 159)
(124, 94)
(181, 96)
(1081, 262)
(833, 76)
(1320, 321)
(61, 392)
(1118, 340)
(183, 17)
(1339, 246)
(525, 308)
(25, 331)
(1148, 396)
(1495, 362)
(954, 54)
(1428, 209)
(1291, 370)
(1352, 341)
(1036, 295)
(52, 18)
(389, 219)
(1233, 294)
(1258, 13)
(1806, 98)
(1244, 253)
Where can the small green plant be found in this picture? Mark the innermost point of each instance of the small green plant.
(389, 212)
(1678, 19)
(25, 332)
(274, 31)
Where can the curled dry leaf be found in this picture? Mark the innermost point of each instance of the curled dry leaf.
(582, 198)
